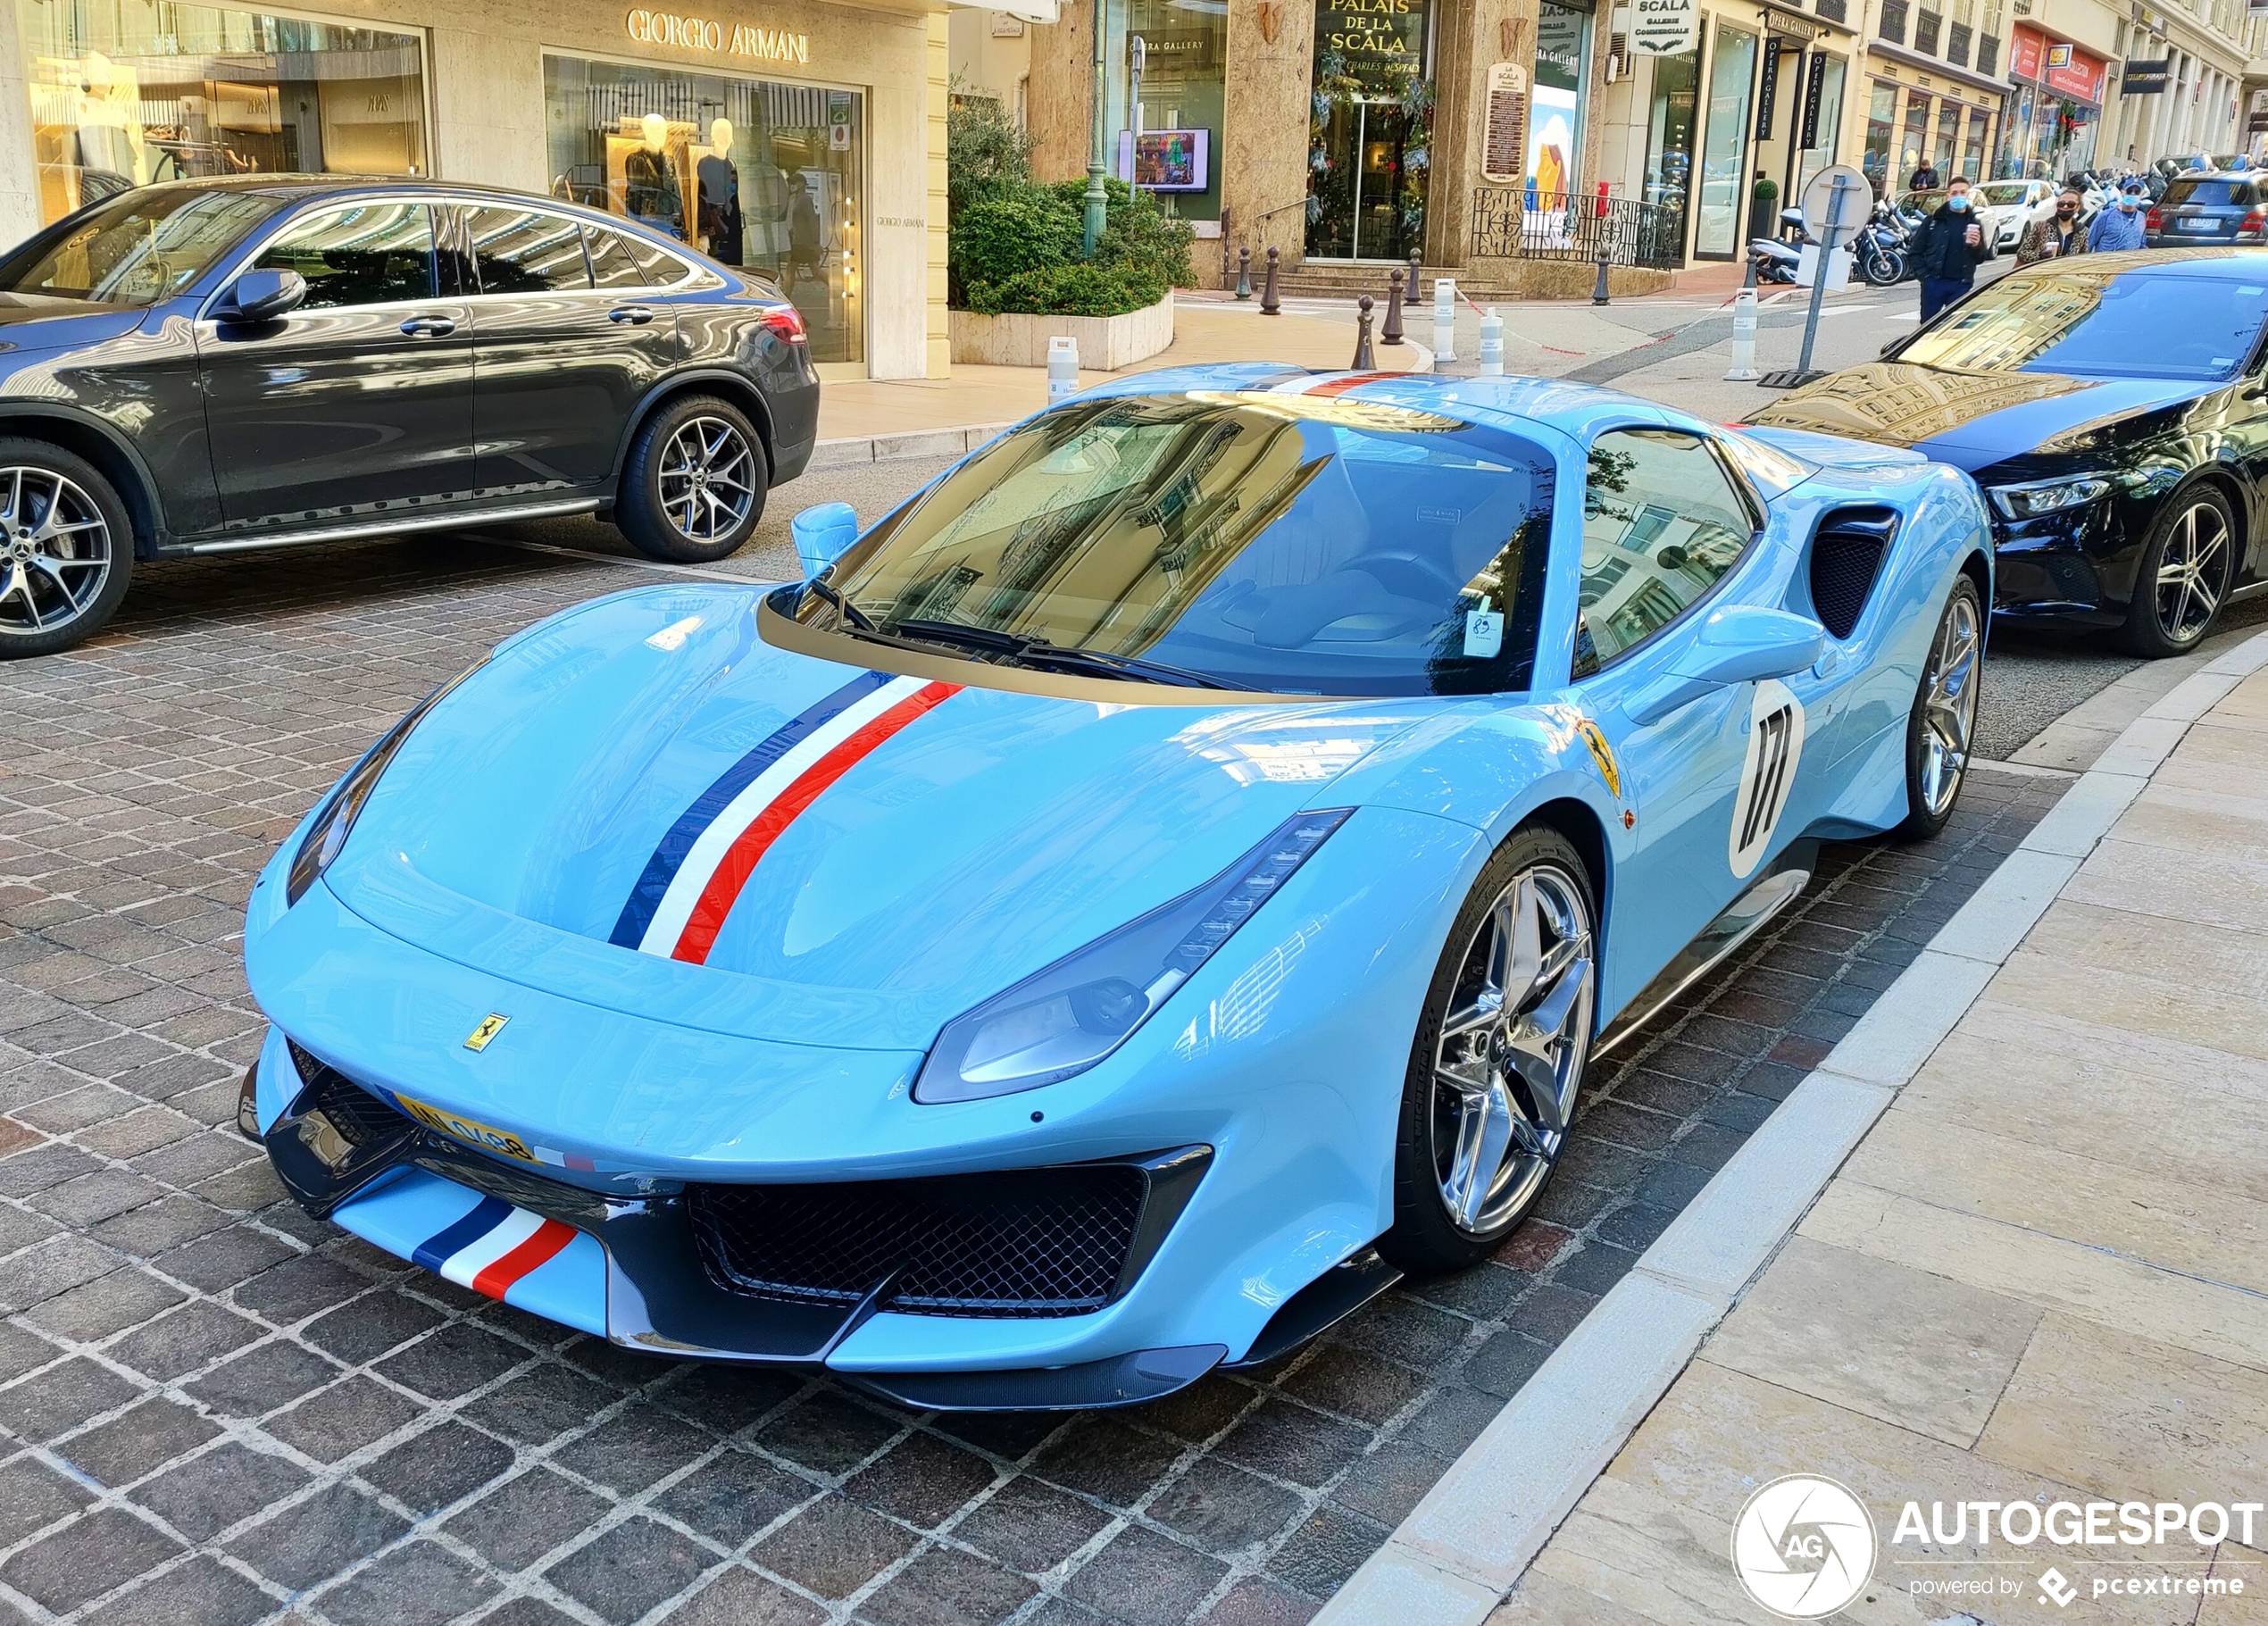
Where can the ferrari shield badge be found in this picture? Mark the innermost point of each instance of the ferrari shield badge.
(1603, 755)
(490, 1026)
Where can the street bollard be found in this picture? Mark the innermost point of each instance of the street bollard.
(1492, 344)
(1744, 338)
(1445, 319)
(1598, 292)
(1244, 271)
(1270, 305)
(1063, 367)
(1391, 333)
(1363, 359)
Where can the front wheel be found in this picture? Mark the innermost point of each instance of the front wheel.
(2184, 574)
(66, 548)
(694, 487)
(1939, 731)
(1498, 1060)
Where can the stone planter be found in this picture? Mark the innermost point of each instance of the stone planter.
(1105, 343)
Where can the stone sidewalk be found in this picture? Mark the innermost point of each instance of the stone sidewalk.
(2043, 1273)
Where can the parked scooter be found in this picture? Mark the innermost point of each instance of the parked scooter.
(1880, 251)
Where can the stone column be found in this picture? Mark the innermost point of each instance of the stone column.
(488, 109)
(1266, 107)
(1472, 36)
(1059, 107)
(19, 164)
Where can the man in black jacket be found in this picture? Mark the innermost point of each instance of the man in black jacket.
(1946, 249)
(1924, 177)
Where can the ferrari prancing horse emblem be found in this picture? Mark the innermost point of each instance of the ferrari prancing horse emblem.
(490, 1026)
(1603, 755)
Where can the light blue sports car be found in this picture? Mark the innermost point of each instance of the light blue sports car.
(1159, 885)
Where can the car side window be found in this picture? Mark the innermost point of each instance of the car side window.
(1661, 525)
(612, 264)
(364, 253)
(527, 251)
(661, 268)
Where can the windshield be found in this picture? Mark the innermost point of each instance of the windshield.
(2005, 192)
(1926, 202)
(140, 249)
(1301, 545)
(2208, 194)
(2100, 324)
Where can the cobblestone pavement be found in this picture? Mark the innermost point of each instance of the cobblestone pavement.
(216, 1410)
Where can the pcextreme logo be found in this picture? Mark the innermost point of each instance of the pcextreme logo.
(1804, 1546)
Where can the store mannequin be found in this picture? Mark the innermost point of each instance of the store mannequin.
(650, 191)
(720, 222)
(108, 144)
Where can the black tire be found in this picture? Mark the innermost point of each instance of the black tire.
(66, 548)
(1426, 1236)
(668, 506)
(1940, 732)
(2196, 527)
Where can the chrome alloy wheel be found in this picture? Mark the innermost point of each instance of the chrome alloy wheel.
(1512, 1049)
(1949, 704)
(2190, 573)
(54, 550)
(708, 479)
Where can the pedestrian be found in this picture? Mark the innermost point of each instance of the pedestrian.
(2054, 236)
(2120, 227)
(1925, 177)
(1946, 249)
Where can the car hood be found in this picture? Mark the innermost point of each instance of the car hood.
(985, 838)
(1970, 420)
(36, 322)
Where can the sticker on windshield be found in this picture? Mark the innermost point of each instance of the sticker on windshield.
(1484, 633)
(1775, 745)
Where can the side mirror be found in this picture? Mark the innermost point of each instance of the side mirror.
(262, 295)
(1739, 643)
(822, 534)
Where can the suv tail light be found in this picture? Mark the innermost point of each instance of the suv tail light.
(2155, 220)
(2255, 221)
(788, 323)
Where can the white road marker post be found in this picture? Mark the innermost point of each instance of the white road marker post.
(1744, 334)
(1063, 367)
(1492, 344)
(1445, 319)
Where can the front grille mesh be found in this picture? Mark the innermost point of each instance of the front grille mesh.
(1845, 556)
(359, 1116)
(1030, 1242)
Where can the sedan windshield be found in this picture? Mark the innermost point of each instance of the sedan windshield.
(2001, 192)
(1296, 544)
(138, 248)
(2134, 325)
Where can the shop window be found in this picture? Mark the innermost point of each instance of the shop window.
(1973, 151)
(1177, 153)
(1369, 129)
(1669, 138)
(1948, 138)
(1555, 104)
(127, 95)
(370, 254)
(753, 174)
(1824, 121)
(527, 251)
(1724, 151)
(1881, 114)
(1916, 138)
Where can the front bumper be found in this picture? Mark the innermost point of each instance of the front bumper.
(640, 1272)
(2073, 567)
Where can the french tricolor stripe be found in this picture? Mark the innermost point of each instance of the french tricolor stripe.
(696, 874)
(493, 1247)
(1328, 384)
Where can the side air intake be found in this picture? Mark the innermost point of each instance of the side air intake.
(1845, 557)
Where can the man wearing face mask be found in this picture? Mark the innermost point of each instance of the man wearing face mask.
(2120, 227)
(1947, 248)
(2057, 236)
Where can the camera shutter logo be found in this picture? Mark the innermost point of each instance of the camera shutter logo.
(1804, 1546)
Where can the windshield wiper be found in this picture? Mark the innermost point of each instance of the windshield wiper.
(847, 614)
(1018, 650)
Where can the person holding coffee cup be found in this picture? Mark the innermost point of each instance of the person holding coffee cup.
(2056, 236)
(1946, 248)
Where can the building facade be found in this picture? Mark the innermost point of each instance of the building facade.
(801, 139)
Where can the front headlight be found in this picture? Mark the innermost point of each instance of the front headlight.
(1064, 1018)
(2035, 497)
(328, 834)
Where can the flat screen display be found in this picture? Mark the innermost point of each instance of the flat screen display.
(1166, 160)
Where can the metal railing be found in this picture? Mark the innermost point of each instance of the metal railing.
(1511, 221)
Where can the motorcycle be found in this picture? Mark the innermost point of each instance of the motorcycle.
(1880, 250)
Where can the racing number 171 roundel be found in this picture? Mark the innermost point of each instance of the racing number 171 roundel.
(1775, 742)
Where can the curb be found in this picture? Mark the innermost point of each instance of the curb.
(1463, 1547)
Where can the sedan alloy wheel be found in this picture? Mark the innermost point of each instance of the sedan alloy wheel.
(707, 478)
(2192, 572)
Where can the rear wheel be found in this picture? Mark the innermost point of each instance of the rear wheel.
(2184, 574)
(1498, 1060)
(695, 486)
(66, 548)
(1944, 721)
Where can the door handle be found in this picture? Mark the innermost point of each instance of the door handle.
(428, 327)
(637, 316)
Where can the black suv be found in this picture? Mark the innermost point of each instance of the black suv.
(218, 365)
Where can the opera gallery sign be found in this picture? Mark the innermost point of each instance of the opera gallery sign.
(690, 33)
(1665, 27)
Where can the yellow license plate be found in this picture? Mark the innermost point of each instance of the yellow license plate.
(480, 1135)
